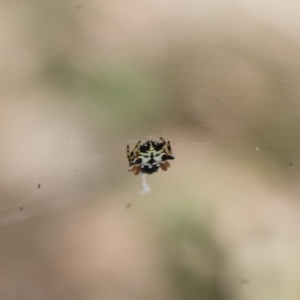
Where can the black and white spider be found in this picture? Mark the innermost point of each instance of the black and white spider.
(148, 157)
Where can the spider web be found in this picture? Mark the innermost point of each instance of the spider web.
(218, 79)
(216, 99)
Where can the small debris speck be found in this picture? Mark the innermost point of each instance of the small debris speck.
(291, 165)
(128, 205)
(21, 208)
(39, 185)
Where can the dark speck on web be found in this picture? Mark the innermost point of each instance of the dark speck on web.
(39, 185)
(128, 205)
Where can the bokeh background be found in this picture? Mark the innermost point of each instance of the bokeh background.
(82, 79)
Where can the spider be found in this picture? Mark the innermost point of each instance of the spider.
(148, 157)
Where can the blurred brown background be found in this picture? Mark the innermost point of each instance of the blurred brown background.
(82, 79)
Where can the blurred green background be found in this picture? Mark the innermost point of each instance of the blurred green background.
(80, 81)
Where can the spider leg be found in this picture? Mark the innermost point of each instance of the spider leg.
(128, 153)
(136, 146)
(137, 170)
(169, 147)
(164, 142)
(165, 165)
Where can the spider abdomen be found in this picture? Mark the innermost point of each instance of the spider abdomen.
(148, 157)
